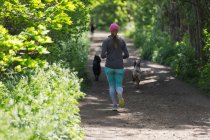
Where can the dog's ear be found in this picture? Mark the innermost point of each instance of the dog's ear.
(98, 58)
(95, 57)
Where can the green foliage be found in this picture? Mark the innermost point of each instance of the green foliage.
(145, 35)
(206, 49)
(17, 52)
(204, 78)
(155, 45)
(55, 15)
(129, 30)
(159, 24)
(4, 95)
(73, 53)
(105, 12)
(41, 103)
(42, 106)
(164, 47)
(184, 64)
(28, 22)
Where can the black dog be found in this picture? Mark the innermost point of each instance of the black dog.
(96, 67)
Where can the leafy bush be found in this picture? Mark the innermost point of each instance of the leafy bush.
(58, 16)
(142, 41)
(129, 30)
(4, 95)
(21, 20)
(105, 12)
(164, 50)
(159, 24)
(155, 45)
(42, 106)
(206, 48)
(185, 64)
(204, 78)
(19, 52)
(73, 53)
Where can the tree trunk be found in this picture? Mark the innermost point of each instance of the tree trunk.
(199, 27)
(174, 21)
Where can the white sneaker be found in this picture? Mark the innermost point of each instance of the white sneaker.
(114, 108)
(121, 100)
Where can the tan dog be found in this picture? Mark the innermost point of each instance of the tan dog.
(136, 75)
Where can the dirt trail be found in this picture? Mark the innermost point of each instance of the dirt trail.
(163, 108)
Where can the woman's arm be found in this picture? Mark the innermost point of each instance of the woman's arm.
(104, 50)
(125, 50)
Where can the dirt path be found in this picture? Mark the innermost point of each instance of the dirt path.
(164, 108)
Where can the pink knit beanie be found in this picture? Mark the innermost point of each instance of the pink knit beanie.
(113, 27)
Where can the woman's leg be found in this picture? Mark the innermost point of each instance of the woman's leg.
(119, 75)
(110, 74)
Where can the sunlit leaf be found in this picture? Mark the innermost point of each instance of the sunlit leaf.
(18, 68)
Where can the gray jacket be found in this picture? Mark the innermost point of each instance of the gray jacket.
(114, 56)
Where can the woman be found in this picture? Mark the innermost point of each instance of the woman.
(114, 50)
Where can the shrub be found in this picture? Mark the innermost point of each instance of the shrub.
(164, 48)
(42, 106)
(105, 12)
(155, 45)
(142, 41)
(26, 24)
(20, 52)
(73, 53)
(204, 79)
(185, 64)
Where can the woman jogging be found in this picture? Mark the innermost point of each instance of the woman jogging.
(114, 50)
